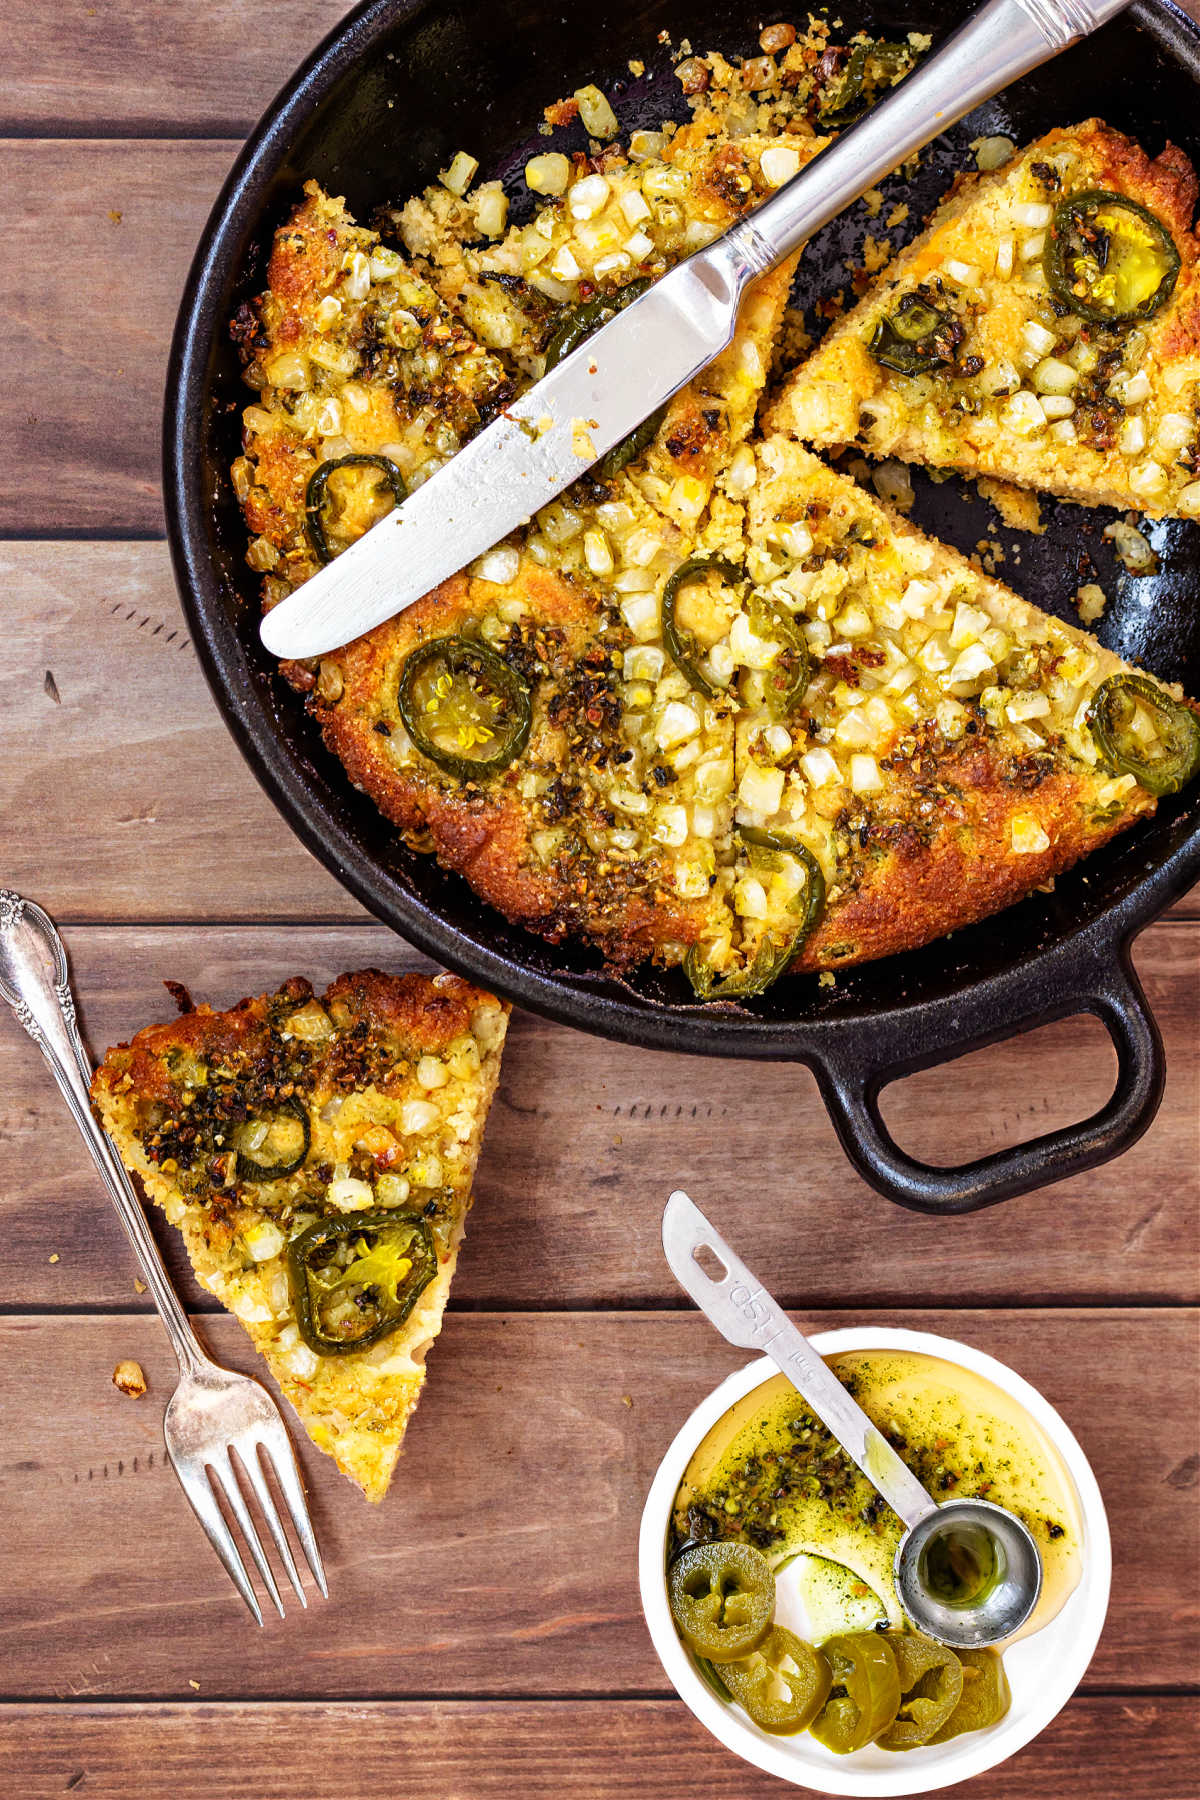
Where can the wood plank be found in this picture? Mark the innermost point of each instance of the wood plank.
(507, 1546)
(123, 218)
(199, 70)
(470, 1750)
(122, 791)
(587, 1139)
(122, 794)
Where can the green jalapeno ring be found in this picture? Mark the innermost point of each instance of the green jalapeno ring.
(722, 1599)
(639, 439)
(774, 956)
(249, 1168)
(931, 1686)
(751, 1681)
(463, 657)
(1065, 257)
(304, 1249)
(849, 103)
(1179, 729)
(865, 1694)
(314, 495)
(681, 645)
(986, 1696)
(908, 339)
(787, 680)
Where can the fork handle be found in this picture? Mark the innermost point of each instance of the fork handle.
(1001, 41)
(34, 979)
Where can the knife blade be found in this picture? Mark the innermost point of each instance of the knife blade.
(601, 392)
(538, 446)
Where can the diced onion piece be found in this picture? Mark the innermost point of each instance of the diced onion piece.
(966, 274)
(588, 197)
(1034, 705)
(1063, 431)
(564, 266)
(992, 152)
(633, 206)
(432, 1072)
(750, 898)
(548, 174)
(1147, 477)
(676, 724)
(970, 623)
(1174, 431)
(1005, 250)
(973, 662)
(1057, 406)
(819, 768)
(1053, 376)
(1180, 375)
(639, 246)
(1024, 415)
(500, 565)
(1035, 337)
(742, 472)
(1027, 836)
(350, 1195)
(1132, 437)
(1189, 500)
(670, 826)
(1032, 247)
(761, 789)
(779, 164)
(417, 1116)
(264, 1240)
(596, 115)
(1135, 390)
(491, 210)
(1033, 215)
(461, 173)
(865, 777)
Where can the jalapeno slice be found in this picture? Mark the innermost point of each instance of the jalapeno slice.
(1108, 258)
(917, 337)
(464, 707)
(781, 1657)
(848, 102)
(985, 1695)
(788, 677)
(776, 952)
(681, 645)
(865, 1695)
(722, 1599)
(571, 331)
(1140, 731)
(931, 1686)
(273, 1143)
(356, 1277)
(315, 495)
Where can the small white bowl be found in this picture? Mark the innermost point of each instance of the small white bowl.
(1043, 1670)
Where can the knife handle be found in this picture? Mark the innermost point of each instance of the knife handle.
(995, 46)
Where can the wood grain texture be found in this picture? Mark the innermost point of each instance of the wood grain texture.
(83, 422)
(115, 747)
(586, 1139)
(202, 69)
(504, 1559)
(477, 1750)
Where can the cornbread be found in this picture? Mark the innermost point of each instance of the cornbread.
(713, 705)
(293, 1114)
(1018, 385)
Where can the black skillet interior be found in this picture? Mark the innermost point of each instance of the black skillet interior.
(381, 107)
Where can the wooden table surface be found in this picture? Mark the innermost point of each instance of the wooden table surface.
(484, 1635)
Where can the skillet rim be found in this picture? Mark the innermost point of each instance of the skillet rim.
(1063, 969)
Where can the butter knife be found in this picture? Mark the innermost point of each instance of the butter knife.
(596, 396)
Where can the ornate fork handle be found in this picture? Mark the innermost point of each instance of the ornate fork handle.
(35, 981)
(1004, 40)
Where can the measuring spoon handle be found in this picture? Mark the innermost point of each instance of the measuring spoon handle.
(742, 1310)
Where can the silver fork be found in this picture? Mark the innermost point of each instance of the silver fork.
(216, 1421)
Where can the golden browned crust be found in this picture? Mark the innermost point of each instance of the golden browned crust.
(484, 832)
(393, 1076)
(961, 868)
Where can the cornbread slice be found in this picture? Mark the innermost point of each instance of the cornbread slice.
(939, 766)
(1019, 386)
(381, 1088)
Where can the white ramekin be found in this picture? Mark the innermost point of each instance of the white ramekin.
(1043, 1670)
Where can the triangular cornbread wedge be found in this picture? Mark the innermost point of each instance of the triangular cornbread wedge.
(317, 1155)
(1036, 332)
(940, 763)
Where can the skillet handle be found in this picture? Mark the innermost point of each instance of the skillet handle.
(850, 1087)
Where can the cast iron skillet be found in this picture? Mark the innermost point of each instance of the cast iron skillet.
(380, 106)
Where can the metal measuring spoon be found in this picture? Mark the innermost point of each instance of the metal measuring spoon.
(740, 1307)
